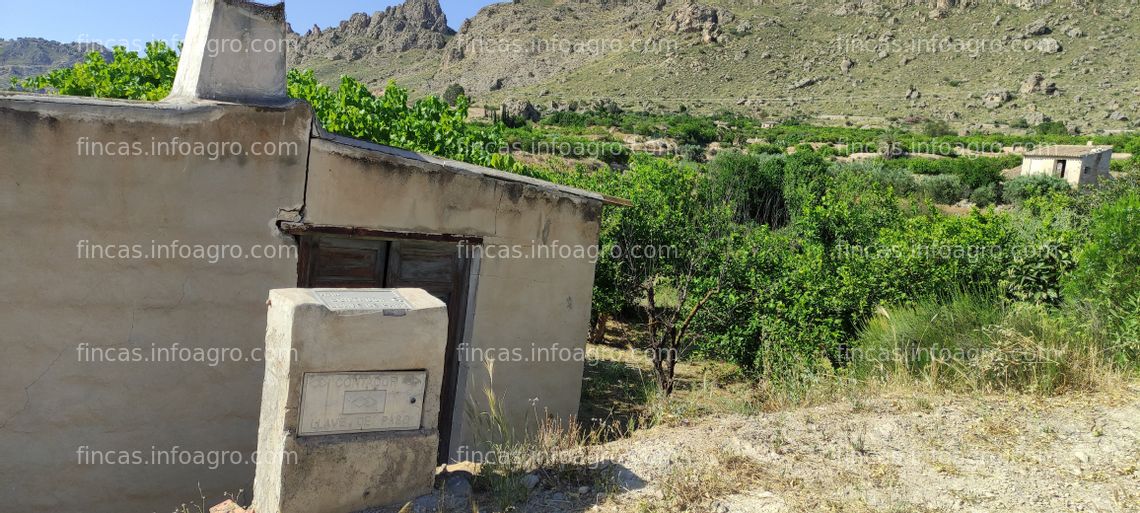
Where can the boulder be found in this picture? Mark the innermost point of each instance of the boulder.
(846, 65)
(1049, 45)
(996, 98)
(1039, 27)
(516, 112)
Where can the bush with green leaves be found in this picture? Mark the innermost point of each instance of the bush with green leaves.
(944, 189)
(898, 179)
(1042, 253)
(754, 185)
(1108, 268)
(127, 75)
(936, 128)
(766, 149)
(1051, 128)
(429, 125)
(1023, 188)
(974, 172)
(985, 196)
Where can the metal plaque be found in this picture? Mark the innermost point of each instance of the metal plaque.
(387, 301)
(361, 402)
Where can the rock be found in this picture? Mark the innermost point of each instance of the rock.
(1039, 27)
(229, 506)
(1035, 83)
(496, 84)
(415, 24)
(608, 106)
(846, 65)
(424, 504)
(996, 98)
(1049, 45)
(1117, 116)
(694, 17)
(530, 481)
(913, 94)
(457, 486)
(1075, 32)
(516, 112)
(807, 82)
(1036, 118)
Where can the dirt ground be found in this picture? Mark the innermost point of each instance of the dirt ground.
(1022, 454)
(894, 451)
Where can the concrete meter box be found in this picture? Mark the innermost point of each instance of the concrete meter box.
(351, 398)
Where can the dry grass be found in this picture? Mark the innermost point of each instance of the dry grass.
(696, 480)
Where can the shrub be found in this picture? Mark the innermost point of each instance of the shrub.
(1051, 128)
(984, 196)
(1107, 265)
(1041, 252)
(1023, 188)
(753, 184)
(975, 343)
(127, 75)
(452, 94)
(936, 128)
(765, 149)
(944, 189)
(691, 152)
(689, 130)
(900, 180)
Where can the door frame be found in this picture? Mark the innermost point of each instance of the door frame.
(447, 424)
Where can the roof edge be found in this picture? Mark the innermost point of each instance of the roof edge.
(495, 174)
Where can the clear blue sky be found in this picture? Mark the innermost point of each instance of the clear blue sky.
(125, 21)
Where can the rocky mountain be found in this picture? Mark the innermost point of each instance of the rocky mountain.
(414, 25)
(973, 63)
(970, 62)
(27, 56)
(402, 40)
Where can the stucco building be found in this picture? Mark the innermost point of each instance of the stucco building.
(1078, 165)
(140, 241)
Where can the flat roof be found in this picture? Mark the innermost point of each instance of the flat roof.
(464, 167)
(1067, 150)
(113, 110)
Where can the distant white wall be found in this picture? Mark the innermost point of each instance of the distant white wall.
(1078, 171)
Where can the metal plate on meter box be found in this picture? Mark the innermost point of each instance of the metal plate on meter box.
(361, 402)
(387, 301)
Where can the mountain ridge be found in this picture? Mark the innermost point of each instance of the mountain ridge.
(976, 64)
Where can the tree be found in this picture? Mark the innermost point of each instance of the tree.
(672, 253)
(452, 93)
(890, 144)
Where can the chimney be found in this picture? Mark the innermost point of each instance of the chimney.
(234, 51)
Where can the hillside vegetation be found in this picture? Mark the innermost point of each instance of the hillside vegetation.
(975, 64)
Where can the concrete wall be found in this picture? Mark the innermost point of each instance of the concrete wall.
(59, 306)
(82, 433)
(1097, 165)
(521, 305)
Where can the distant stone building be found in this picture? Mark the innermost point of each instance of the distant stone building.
(1078, 165)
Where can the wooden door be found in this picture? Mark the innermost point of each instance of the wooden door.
(331, 261)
